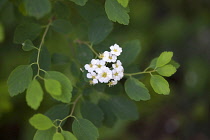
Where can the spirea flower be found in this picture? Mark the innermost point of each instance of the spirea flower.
(100, 71)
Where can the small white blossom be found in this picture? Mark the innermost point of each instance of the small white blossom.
(116, 49)
(117, 75)
(108, 57)
(105, 75)
(94, 81)
(117, 65)
(90, 67)
(112, 83)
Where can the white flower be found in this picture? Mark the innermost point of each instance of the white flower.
(116, 49)
(104, 75)
(90, 67)
(99, 64)
(112, 83)
(117, 75)
(92, 76)
(118, 66)
(94, 81)
(108, 57)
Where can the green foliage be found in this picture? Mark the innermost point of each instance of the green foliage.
(166, 70)
(99, 29)
(80, 2)
(92, 113)
(41, 122)
(136, 90)
(62, 26)
(38, 8)
(34, 94)
(58, 136)
(109, 116)
(101, 105)
(44, 134)
(130, 51)
(159, 84)
(68, 135)
(19, 79)
(124, 109)
(124, 3)
(116, 12)
(65, 83)
(84, 130)
(53, 87)
(2, 36)
(164, 59)
(26, 31)
(28, 45)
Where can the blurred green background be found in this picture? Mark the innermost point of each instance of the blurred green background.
(181, 26)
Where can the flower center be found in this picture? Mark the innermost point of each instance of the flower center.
(116, 74)
(91, 65)
(110, 57)
(99, 66)
(115, 50)
(104, 74)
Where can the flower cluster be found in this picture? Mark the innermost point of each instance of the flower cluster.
(107, 69)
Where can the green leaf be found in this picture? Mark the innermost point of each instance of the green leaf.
(153, 63)
(34, 94)
(84, 54)
(84, 130)
(95, 9)
(37, 8)
(68, 135)
(80, 2)
(124, 3)
(62, 10)
(99, 29)
(62, 26)
(44, 134)
(66, 85)
(166, 70)
(26, 31)
(59, 111)
(116, 12)
(92, 112)
(159, 84)
(174, 63)
(58, 136)
(41, 122)
(124, 109)
(2, 34)
(109, 117)
(28, 45)
(19, 79)
(130, 51)
(136, 90)
(53, 87)
(164, 59)
(59, 59)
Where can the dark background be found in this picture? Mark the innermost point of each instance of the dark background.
(181, 26)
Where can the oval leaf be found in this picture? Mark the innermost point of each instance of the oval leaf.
(136, 90)
(62, 26)
(166, 70)
(37, 8)
(130, 51)
(99, 29)
(109, 117)
(28, 45)
(34, 94)
(124, 109)
(68, 135)
(159, 84)
(58, 136)
(41, 122)
(92, 112)
(124, 3)
(116, 12)
(26, 31)
(53, 87)
(80, 2)
(84, 130)
(66, 86)
(44, 134)
(164, 59)
(19, 79)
